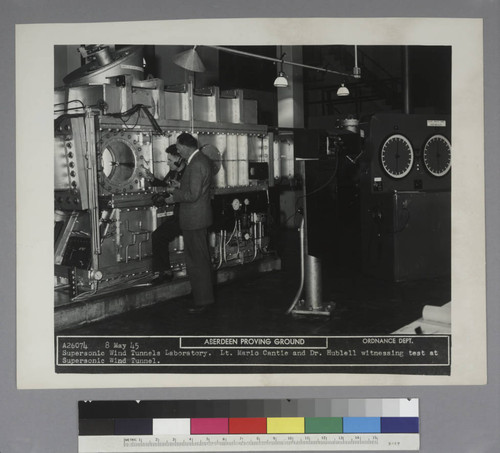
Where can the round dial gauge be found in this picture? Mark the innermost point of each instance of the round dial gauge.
(397, 156)
(236, 204)
(437, 155)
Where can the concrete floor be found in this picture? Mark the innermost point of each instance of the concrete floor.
(257, 305)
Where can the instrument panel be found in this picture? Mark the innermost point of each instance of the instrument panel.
(407, 152)
(405, 197)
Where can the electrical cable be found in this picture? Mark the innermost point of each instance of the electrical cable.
(152, 119)
(221, 241)
(297, 211)
(86, 294)
(136, 109)
(121, 282)
(332, 177)
(232, 234)
(61, 118)
(136, 123)
(69, 102)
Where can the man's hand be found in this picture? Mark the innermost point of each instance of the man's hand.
(170, 190)
(174, 184)
(148, 175)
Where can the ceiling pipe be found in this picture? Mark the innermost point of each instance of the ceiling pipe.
(356, 71)
(277, 60)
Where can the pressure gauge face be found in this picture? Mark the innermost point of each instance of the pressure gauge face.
(97, 275)
(437, 155)
(397, 156)
(236, 204)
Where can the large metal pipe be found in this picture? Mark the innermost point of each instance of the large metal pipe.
(279, 60)
(312, 265)
(302, 267)
(406, 87)
(313, 283)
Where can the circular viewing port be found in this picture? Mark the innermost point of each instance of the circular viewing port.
(118, 162)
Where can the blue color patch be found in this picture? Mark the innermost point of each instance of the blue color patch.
(357, 425)
(399, 424)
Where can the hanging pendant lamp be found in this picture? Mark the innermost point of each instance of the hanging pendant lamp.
(189, 60)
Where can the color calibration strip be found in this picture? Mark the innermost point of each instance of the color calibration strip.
(392, 429)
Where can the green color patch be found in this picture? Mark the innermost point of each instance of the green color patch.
(323, 425)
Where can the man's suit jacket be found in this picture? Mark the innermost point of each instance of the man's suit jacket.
(194, 194)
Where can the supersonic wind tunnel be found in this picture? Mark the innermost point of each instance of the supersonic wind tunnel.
(376, 192)
(111, 125)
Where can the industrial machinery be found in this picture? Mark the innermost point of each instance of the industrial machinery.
(376, 200)
(328, 162)
(406, 196)
(111, 125)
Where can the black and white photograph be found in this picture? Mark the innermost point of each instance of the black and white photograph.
(264, 208)
(265, 199)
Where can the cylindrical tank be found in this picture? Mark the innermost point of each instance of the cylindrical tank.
(313, 282)
(277, 159)
(231, 160)
(104, 57)
(243, 160)
(287, 162)
(221, 144)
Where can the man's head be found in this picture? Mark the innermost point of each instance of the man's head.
(186, 145)
(173, 156)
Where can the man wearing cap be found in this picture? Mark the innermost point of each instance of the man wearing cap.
(195, 216)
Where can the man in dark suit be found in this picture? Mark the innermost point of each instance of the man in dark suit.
(195, 216)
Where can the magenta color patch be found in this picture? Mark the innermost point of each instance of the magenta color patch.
(209, 426)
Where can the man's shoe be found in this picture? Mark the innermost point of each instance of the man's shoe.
(163, 278)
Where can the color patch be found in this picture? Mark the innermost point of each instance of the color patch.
(399, 425)
(390, 408)
(247, 425)
(359, 425)
(285, 425)
(125, 426)
(408, 407)
(209, 426)
(357, 408)
(171, 426)
(323, 425)
(96, 427)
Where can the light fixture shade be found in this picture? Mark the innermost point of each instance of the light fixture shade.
(190, 60)
(343, 91)
(281, 81)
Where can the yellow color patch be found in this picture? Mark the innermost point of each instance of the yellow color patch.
(285, 425)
